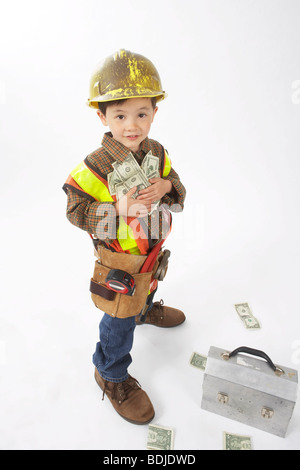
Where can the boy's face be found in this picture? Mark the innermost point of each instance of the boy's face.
(129, 121)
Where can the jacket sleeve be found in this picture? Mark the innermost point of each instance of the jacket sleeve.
(97, 218)
(175, 199)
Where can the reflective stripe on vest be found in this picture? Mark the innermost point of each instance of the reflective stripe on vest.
(126, 239)
(167, 165)
(86, 179)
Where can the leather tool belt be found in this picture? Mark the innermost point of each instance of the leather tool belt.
(117, 304)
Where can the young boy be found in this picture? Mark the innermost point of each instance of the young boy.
(122, 195)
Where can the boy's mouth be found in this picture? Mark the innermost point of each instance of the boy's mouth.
(132, 137)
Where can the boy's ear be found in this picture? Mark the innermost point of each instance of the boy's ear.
(102, 117)
(154, 112)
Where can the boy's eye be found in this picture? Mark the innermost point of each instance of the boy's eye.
(120, 116)
(142, 115)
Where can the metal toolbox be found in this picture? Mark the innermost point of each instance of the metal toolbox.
(250, 390)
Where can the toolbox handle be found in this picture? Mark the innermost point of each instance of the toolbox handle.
(255, 352)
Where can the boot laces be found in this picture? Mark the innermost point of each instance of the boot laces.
(159, 306)
(120, 390)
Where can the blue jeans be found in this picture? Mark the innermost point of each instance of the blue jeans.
(112, 356)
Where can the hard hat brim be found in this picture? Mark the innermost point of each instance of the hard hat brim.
(122, 94)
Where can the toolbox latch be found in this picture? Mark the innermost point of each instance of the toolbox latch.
(223, 398)
(267, 412)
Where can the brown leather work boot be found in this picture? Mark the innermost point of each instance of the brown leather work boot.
(163, 316)
(128, 399)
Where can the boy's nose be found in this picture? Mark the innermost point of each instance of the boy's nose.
(131, 124)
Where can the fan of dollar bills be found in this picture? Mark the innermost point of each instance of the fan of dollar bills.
(128, 174)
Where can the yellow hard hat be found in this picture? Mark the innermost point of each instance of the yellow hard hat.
(124, 75)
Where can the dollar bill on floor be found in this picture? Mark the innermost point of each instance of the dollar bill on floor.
(236, 442)
(247, 317)
(160, 438)
(198, 361)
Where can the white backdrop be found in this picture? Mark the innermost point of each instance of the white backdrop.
(231, 69)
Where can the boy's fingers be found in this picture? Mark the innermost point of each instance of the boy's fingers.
(131, 191)
(145, 191)
(144, 196)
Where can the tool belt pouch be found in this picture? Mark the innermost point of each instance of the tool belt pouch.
(117, 304)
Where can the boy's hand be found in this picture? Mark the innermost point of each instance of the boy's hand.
(139, 207)
(128, 206)
(159, 187)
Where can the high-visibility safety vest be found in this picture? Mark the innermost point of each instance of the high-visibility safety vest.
(131, 236)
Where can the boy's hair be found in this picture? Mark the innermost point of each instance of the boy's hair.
(104, 105)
